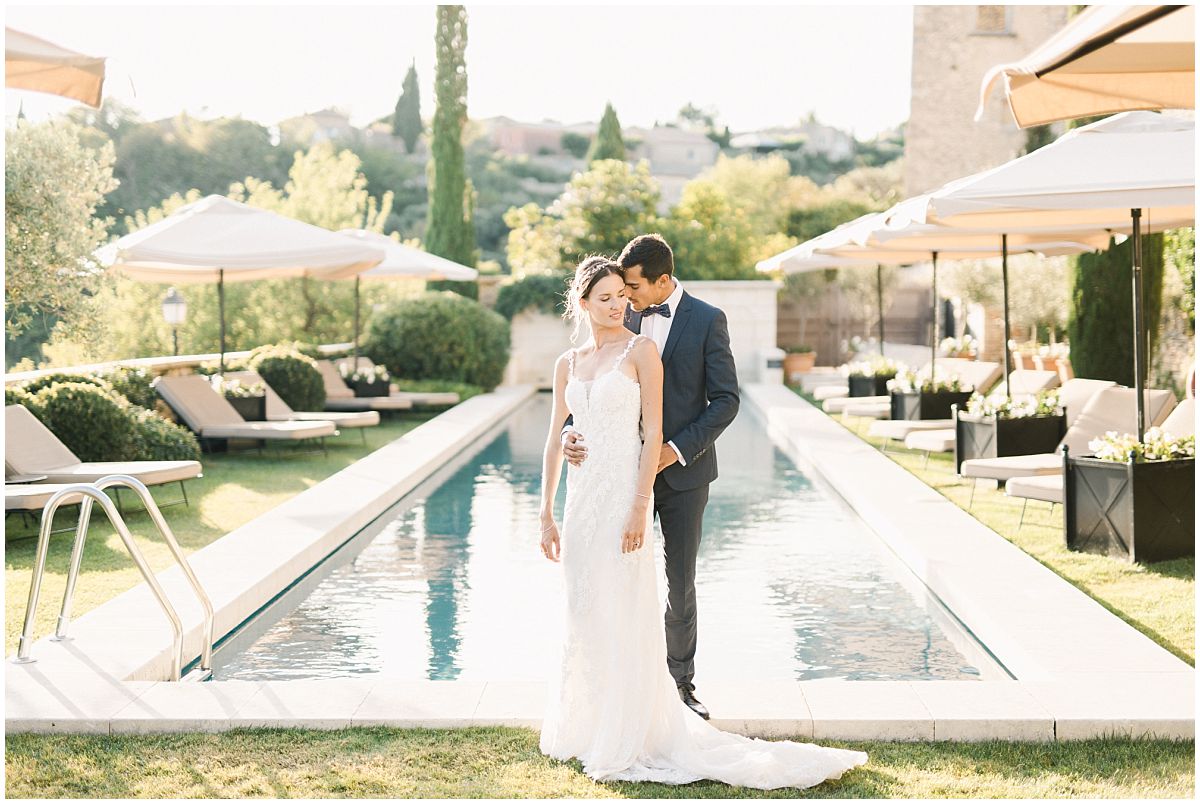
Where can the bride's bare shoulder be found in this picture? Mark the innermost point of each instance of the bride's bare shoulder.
(644, 348)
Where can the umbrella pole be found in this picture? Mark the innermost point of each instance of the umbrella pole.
(356, 324)
(1007, 329)
(1139, 324)
(221, 308)
(933, 340)
(879, 295)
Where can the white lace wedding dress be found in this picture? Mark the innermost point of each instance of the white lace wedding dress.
(614, 704)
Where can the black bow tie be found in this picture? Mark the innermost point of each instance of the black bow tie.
(663, 309)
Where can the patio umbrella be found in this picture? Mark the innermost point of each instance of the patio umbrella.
(1108, 59)
(1135, 170)
(402, 262)
(217, 239)
(35, 64)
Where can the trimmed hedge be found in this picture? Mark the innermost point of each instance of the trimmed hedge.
(133, 384)
(16, 395)
(464, 390)
(544, 292)
(440, 336)
(156, 439)
(293, 375)
(34, 386)
(94, 424)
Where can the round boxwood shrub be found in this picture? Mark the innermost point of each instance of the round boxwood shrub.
(156, 439)
(16, 395)
(133, 384)
(94, 424)
(440, 336)
(33, 386)
(544, 292)
(292, 375)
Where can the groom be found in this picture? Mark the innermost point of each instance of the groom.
(700, 399)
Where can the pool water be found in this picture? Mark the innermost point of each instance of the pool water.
(450, 583)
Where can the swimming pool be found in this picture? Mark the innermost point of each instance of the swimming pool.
(449, 584)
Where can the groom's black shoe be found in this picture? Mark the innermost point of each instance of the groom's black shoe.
(686, 694)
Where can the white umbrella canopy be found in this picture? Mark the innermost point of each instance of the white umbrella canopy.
(218, 238)
(35, 64)
(1108, 59)
(403, 261)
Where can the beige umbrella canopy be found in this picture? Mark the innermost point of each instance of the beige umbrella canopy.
(217, 239)
(35, 64)
(1108, 59)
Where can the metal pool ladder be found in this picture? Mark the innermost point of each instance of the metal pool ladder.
(86, 494)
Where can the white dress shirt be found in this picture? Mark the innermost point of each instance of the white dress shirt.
(658, 328)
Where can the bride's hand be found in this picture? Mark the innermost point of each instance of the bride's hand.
(634, 532)
(550, 544)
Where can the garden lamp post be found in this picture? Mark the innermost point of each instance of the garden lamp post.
(174, 310)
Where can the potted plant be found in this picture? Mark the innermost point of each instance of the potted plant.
(915, 395)
(248, 399)
(966, 346)
(798, 360)
(1132, 500)
(870, 377)
(996, 426)
(367, 380)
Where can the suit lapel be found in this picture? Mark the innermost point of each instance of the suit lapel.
(681, 316)
(633, 320)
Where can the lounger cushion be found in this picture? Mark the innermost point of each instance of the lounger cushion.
(871, 410)
(335, 386)
(369, 403)
(149, 472)
(1182, 421)
(838, 404)
(830, 392)
(30, 446)
(902, 427)
(1075, 394)
(1115, 409)
(1027, 382)
(931, 440)
(22, 497)
(1047, 488)
(280, 411)
(1043, 463)
(208, 413)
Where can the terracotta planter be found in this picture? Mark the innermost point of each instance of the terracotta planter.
(794, 364)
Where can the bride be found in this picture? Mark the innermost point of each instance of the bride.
(613, 703)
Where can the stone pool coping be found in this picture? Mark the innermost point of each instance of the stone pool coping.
(1081, 672)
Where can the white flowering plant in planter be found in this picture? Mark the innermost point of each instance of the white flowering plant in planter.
(1045, 403)
(236, 388)
(966, 346)
(1157, 445)
(875, 367)
(368, 374)
(908, 382)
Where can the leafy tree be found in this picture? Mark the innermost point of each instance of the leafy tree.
(808, 222)
(1100, 318)
(450, 232)
(711, 237)
(406, 122)
(1180, 253)
(52, 187)
(608, 143)
(576, 144)
(601, 210)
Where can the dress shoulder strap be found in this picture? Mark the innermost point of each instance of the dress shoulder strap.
(628, 348)
(571, 363)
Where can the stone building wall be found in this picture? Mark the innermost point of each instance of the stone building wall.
(953, 47)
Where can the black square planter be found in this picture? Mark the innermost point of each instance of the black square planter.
(1140, 512)
(994, 437)
(921, 405)
(370, 388)
(250, 408)
(869, 386)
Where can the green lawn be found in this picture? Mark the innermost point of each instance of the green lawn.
(235, 489)
(1157, 599)
(506, 763)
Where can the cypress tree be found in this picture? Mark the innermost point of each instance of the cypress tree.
(450, 232)
(608, 143)
(1100, 318)
(406, 121)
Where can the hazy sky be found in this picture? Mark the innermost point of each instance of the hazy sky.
(759, 66)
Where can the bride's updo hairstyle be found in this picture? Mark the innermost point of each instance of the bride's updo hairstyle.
(587, 274)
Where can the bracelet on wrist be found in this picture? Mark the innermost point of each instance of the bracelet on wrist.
(547, 527)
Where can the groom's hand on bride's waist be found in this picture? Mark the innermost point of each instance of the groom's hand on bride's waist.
(573, 447)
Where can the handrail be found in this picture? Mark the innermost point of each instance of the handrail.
(69, 495)
(85, 515)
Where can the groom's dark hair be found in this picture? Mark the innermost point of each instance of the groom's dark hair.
(650, 252)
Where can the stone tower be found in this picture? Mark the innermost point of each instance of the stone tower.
(953, 47)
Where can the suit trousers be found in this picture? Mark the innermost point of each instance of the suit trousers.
(681, 517)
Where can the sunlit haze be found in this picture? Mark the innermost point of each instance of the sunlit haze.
(758, 66)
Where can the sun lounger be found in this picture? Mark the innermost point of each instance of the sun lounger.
(933, 440)
(32, 449)
(831, 391)
(210, 416)
(1110, 409)
(1027, 382)
(339, 396)
(30, 497)
(432, 398)
(280, 411)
